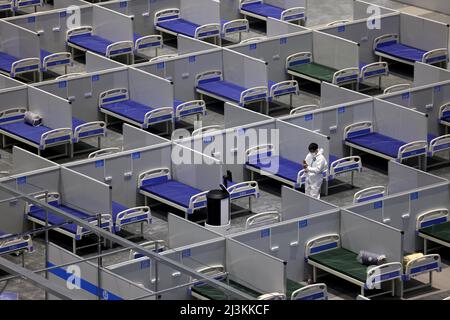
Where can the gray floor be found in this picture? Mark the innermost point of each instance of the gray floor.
(322, 12)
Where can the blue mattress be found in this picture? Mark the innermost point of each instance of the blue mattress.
(76, 122)
(91, 42)
(287, 169)
(223, 89)
(116, 209)
(54, 219)
(44, 53)
(180, 26)
(26, 131)
(401, 51)
(136, 36)
(379, 143)
(6, 61)
(172, 191)
(130, 109)
(263, 9)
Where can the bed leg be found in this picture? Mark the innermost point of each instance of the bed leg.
(145, 201)
(379, 83)
(240, 37)
(353, 179)
(249, 204)
(142, 229)
(106, 120)
(99, 142)
(393, 288)
(39, 151)
(291, 98)
(71, 150)
(362, 291)
(425, 162)
(74, 246)
(425, 249)
(314, 274)
(23, 259)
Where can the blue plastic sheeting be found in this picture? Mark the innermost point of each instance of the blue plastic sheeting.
(26, 131)
(222, 88)
(264, 10)
(180, 26)
(286, 169)
(379, 143)
(401, 51)
(91, 42)
(173, 191)
(6, 61)
(130, 109)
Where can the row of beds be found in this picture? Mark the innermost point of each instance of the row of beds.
(326, 253)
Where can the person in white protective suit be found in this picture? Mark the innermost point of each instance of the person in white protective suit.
(314, 165)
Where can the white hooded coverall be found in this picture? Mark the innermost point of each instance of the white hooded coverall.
(317, 164)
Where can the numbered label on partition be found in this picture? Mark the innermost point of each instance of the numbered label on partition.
(265, 233)
(378, 205)
(135, 155)
(99, 163)
(186, 253)
(283, 40)
(341, 110)
(414, 196)
(95, 77)
(21, 180)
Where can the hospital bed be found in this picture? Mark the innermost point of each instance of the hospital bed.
(304, 109)
(369, 194)
(121, 216)
(85, 130)
(83, 39)
(21, 4)
(184, 109)
(144, 43)
(421, 265)
(434, 226)
(14, 244)
(263, 218)
(301, 65)
(294, 290)
(13, 125)
(157, 246)
(158, 185)
(361, 136)
(13, 66)
(397, 87)
(389, 46)
(116, 103)
(260, 158)
(372, 70)
(212, 84)
(104, 152)
(283, 88)
(444, 116)
(232, 27)
(170, 21)
(7, 6)
(262, 11)
(325, 253)
(51, 60)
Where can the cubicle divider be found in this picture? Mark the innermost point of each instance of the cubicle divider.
(399, 122)
(411, 193)
(275, 27)
(194, 11)
(109, 286)
(426, 99)
(295, 204)
(334, 51)
(84, 193)
(276, 49)
(7, 82)
(142, 11)
(235, 116)
(425, 74)
(18, 41)
(83, 91)
(52, 26)
(25, 161)
(121, 170)
(286, 240)
(111, 25)
(332, 95)
(359, 233)
(56, 112)
(243, 70)
(183, 232)
(135, 138)
(32, 182)
(188, 45)
(95, 63)
(331, 121)
(182, 70)
(12, 98)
